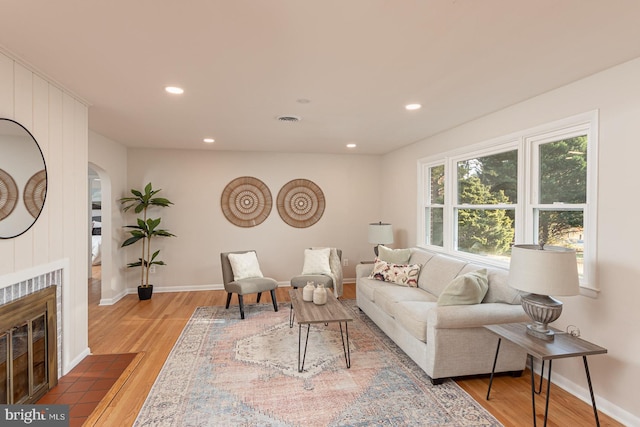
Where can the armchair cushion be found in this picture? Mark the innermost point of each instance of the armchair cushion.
(245, 265)
(316, 261)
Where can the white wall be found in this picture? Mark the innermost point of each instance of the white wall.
(194, 181)
(109, 159)
(610, 320)
(59, 123)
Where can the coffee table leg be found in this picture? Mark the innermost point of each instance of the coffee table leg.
(347, 350)
(301, 366)
(533, 391)
(292, 316)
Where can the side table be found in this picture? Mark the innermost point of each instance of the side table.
(564, 345)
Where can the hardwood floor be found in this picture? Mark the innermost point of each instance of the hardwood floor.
(151, 328)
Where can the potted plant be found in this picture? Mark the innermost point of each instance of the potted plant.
(145, 230)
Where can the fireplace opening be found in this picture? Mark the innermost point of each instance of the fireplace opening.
(28, 347)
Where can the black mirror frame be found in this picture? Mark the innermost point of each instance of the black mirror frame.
(46, 178)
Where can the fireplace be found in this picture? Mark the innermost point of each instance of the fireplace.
(28, 347)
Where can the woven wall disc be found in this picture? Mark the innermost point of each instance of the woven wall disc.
(34, 193)
(246, 201)
(8, 194)
(300, 203)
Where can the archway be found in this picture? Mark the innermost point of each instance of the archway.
(100, 226)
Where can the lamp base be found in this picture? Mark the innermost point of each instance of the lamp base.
(542, 309)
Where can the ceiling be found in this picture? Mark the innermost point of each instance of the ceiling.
(356, 62)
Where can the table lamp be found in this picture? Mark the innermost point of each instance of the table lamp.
(380, 234)
(543, 271)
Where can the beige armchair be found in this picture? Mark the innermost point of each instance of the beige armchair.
(246, 279)
(332, 280)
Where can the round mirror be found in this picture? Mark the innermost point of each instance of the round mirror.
(23, 179)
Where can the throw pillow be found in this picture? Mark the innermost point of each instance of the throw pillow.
(395, 256)
(399, 274)
(245, 266)
(467, 289)
(316, 261)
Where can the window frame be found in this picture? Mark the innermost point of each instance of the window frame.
(526, 143)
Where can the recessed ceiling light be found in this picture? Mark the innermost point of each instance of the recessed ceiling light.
(413, 107)
(174, 90)
(303, 101)
(209, 140)
(351, 145)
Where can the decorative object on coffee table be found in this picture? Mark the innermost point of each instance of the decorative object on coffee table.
(543, 271)
(246, 201)
(300, 203)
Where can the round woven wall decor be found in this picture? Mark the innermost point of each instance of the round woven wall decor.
(8, 194)
(300, 203)
(34, 193)
(246, 201)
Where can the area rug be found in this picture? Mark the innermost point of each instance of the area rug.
(224, 371)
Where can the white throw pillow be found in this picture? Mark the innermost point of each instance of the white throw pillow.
(394, 256)
(245, 266)
(316, 261)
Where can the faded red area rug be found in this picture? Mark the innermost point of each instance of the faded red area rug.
(224, 371)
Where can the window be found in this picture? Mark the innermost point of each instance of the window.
(536, 186)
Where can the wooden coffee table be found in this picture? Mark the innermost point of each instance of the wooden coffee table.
(307, 313)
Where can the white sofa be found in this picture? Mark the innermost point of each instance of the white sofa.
(445, 341)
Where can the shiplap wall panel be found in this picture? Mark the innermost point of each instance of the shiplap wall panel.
(23, 107)
(40, 132)
(55, 190)
(7, 251)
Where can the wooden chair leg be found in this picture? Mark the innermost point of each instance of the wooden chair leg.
(241, 304)
(259, 295)
(228, 299)
(273, 298)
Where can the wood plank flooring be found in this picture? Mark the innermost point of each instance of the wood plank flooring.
(152, 327)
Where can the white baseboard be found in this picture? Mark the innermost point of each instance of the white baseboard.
(73, 363)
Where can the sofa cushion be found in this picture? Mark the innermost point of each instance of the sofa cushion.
(438, 272)
(386, 297)
(395, 256)
(400, 274)
(469, 288)
(419, 256)
(367, 287)
(412, 315)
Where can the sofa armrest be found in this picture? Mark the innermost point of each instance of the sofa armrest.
(474, 316)
(363, 270)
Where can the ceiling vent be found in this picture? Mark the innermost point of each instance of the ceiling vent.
(289, 119)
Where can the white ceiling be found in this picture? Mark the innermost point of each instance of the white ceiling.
(243, 63)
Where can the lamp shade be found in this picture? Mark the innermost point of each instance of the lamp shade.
(549, 271)
(380, 233)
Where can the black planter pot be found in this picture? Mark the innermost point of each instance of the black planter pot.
(144, 292)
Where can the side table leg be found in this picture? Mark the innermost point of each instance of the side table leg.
(533, 390)
(593, 399)
(493, 370)
(546, 407)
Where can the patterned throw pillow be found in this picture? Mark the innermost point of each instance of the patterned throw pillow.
(245, 266)
(400, 274)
